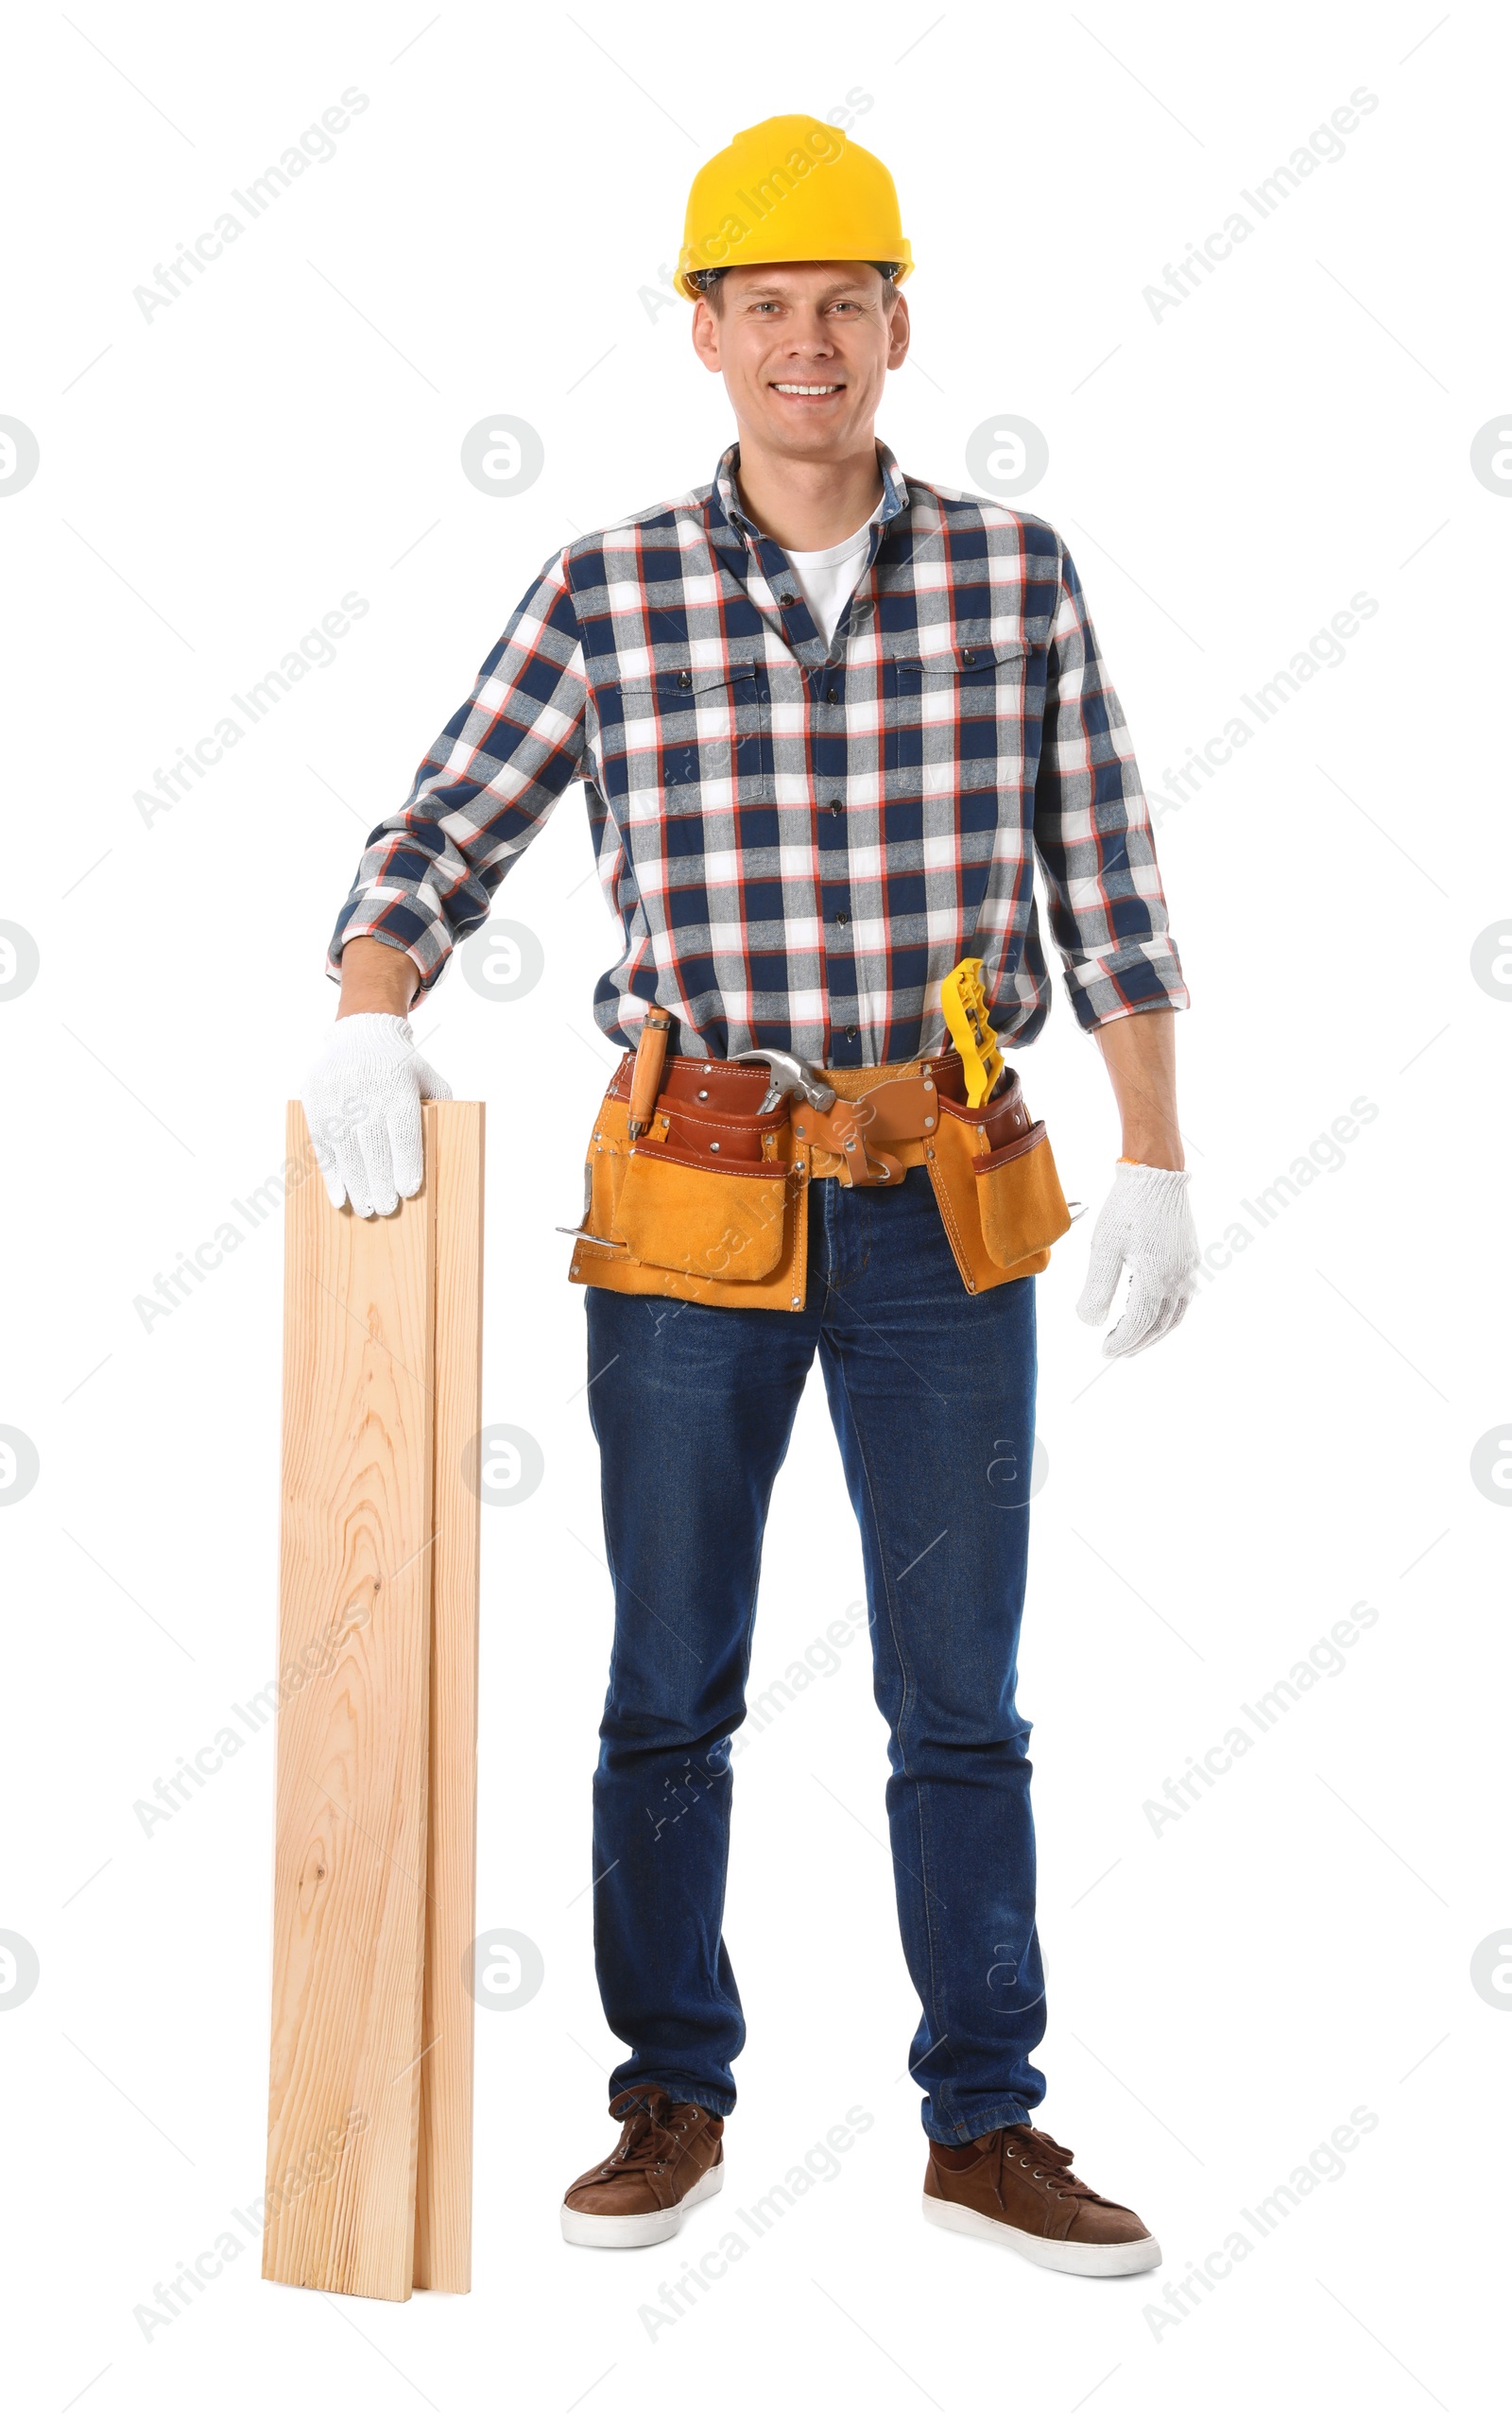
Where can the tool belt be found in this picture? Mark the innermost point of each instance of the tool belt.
(711, 1203)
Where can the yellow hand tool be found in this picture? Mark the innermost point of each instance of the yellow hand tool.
(964, 1003)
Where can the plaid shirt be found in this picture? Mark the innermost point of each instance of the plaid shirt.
(800, 841)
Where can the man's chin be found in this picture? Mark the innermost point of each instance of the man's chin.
(818, 438)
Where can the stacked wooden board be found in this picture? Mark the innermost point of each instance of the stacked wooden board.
(370, 2098)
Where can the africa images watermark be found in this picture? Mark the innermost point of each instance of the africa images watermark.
(314, 652)
(1325, 1657)
(821, 2164)
(173, 1290)
(1325, 1154)
(317, 1659)
(778, 182)
(1324, 146)
(315, 147)
(765, 194)
(1324, 652)
(1323, 2164)
(169, 2300)
(819, 1659)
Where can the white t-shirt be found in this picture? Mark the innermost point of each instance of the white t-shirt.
(828, 575)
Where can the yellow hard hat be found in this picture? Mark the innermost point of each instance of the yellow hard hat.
(791, 189)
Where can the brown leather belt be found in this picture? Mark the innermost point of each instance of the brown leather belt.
(706, 1196)
(876, 1132)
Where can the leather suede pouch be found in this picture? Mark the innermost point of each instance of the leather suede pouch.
(997, 1187)
(702, 1207)
(686, 1212)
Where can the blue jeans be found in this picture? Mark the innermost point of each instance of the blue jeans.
(931, 1393)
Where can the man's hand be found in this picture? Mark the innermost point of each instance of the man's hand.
(363, 1096)
(1147, 1222)
(362, 1100)
(1147, 1225)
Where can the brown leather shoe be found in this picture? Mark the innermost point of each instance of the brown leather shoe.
(1016, 2186)
(669, 2157)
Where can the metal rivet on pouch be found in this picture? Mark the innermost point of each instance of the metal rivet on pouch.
(703, 1096)
(797, 1167)
(713, 1145)
(795, 1302)
(929, 1120)
(929, 1087)
(707, 1066)
(576, 1269)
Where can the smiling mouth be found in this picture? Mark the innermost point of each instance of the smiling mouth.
(809, 387)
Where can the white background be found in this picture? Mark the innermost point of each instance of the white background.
(490, 239)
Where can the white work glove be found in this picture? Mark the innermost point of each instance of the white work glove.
(362, 1101)
(1147, 1225)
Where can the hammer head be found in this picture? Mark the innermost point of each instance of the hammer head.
(790, 1077)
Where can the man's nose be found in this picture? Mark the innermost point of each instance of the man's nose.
(819, 339)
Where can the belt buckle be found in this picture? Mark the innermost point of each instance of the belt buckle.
(840, 1133)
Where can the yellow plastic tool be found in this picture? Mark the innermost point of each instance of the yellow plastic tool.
(964, 1003)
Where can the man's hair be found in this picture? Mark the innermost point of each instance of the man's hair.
(712, 281)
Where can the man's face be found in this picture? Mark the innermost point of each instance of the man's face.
(804, 348)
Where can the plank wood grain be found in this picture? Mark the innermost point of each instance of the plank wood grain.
(443, 2198)
(350, 1865)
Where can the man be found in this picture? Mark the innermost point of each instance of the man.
(826, 719)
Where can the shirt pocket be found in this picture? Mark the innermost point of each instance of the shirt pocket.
(957, 711)
(973, 668)
(693, 736)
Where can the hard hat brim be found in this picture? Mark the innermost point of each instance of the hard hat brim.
(688, 265)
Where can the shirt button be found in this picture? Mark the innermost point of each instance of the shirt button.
(851, 1034)
(835, 807)
(788, 600)
(842, 917)
(832, 695)
(684, 681)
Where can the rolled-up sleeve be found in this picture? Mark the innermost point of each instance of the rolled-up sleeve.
(1094, 836)
(483, 791)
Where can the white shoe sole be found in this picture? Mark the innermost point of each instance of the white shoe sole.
(637, 2233)
(1067, 2257)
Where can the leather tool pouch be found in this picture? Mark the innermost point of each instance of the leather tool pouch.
(711, 1204)
(997, 1187)
(686, 1212)
(704, 1206)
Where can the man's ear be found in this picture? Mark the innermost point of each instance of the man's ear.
(705, 334)
(899, 334)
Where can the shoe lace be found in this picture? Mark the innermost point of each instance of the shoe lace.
(650, 2139)
(1025, 2145)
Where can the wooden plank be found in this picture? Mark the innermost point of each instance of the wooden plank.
(443, 2198)
(353, 1744)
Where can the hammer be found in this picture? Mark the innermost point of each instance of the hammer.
(790, 1077)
